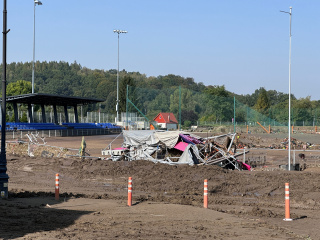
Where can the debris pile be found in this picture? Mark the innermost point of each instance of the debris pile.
(36, 147)
(294, 143)
(260, 142)
(176, 147)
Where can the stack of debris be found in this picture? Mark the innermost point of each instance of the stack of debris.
(295, 144)
(176, 147)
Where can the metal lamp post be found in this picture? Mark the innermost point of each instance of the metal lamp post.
(3, 159)
(36, 2)
(117, 105)
(289, 119)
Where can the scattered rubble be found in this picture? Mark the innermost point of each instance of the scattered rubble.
(260, 142)
(36, 146)
(176, 147)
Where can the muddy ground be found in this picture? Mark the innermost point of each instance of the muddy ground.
(167, 200)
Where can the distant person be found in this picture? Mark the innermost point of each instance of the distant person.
(302, 156)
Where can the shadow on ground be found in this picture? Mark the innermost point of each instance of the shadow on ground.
(21, 216)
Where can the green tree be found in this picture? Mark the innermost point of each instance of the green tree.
(218, 104)
(188, 101)
(161, 103)
(24, 118)
(302, 110)
(263, 103)
(188, 116)
(216, 90)
(19, 87)
(127, 80)
(187, 124)
(12, 118)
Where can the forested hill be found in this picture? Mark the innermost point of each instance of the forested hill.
(74, 80)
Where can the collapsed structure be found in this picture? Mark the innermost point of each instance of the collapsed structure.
(177, 147)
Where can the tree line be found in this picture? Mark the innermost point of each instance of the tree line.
(151, 95)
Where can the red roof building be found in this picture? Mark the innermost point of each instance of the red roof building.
(166, 120)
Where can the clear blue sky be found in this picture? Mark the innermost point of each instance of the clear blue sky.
(242, 44)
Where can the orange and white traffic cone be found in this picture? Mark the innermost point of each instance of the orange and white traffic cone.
(287, 203)
(130, 191)
(57, 187)
(205, 194)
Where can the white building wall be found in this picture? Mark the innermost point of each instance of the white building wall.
(162, 125)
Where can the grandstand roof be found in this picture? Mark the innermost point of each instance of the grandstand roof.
(49, 99)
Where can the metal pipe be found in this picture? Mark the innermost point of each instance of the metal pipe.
(289, 118)
(3, 159)
(117, 104)
(289, 123)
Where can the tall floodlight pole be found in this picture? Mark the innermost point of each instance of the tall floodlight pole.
(117, 105)
(289, 118)
(36, 2)
(3, 159)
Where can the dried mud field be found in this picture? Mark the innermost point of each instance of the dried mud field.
(167, 200)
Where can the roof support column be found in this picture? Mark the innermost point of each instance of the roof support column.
(76, 118)
(66, 113)
(15, 110)
(55, 114)
(30, 113)
(44, 119)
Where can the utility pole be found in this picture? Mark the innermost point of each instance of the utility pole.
(3, 158)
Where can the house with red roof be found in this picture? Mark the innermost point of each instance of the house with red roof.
(167, 121)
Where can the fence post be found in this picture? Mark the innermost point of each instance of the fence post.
(205, 194)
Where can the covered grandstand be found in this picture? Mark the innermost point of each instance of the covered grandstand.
(65, 128)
